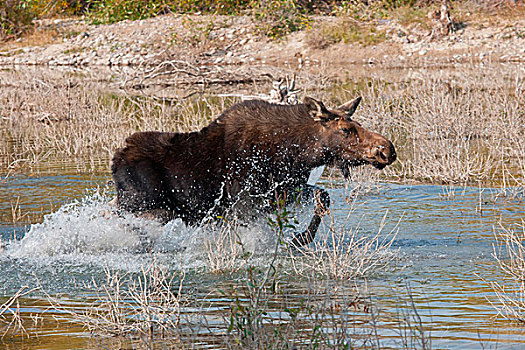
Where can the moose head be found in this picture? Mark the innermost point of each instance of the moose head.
(349, 144)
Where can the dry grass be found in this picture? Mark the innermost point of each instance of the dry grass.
(331, 312)
(146, 306)
(462, 128)
(510, 255)
(11, 322)
(46, 120)
(483, 13)
(345, 252)
(224, 248)
(34, 37)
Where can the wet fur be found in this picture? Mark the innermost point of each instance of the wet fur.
(252, 154)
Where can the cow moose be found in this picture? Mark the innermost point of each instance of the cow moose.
(254, 153)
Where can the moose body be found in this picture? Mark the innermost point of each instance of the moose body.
(252, 155)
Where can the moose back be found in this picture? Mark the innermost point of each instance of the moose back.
(252, 154)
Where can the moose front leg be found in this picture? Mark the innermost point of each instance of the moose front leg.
(321, 207)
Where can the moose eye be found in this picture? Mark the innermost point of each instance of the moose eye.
(346, 130)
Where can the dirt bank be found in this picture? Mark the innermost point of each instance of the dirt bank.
(222, 41)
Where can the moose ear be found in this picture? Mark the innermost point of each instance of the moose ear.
(349, 107)
(316, 108)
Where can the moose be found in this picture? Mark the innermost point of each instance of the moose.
(252, 155)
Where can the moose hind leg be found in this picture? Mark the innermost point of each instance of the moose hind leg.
(321, 207)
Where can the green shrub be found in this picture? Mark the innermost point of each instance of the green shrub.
(275, 17)
(110, 11)
(223, 7)
(46, 8)
(346, 31)
(15, 18)
(280, 17)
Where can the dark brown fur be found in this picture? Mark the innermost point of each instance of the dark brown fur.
(251, 154)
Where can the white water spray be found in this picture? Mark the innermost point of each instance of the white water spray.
(91, 231)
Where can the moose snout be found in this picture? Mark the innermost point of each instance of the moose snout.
(383, 154)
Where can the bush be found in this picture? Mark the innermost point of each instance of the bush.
(280, 17)
(15, 18)
(53, 7)
(110, 11)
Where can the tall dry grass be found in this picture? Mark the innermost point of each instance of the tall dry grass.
(11, 321)
(224, 248)
(344, 252)
(462, 127)
(142, 306)
(456, 129)
(67, 118)
(509, 252)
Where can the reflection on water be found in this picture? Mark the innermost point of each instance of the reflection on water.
(39, 195)
(443, 248)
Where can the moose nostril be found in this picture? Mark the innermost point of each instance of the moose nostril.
(380, 153)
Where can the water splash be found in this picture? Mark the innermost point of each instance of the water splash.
(86, 226)
(90, 231)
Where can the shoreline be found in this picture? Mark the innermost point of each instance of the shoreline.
(226, 41)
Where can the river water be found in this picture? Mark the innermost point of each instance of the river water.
(442, 254)
(58, 233)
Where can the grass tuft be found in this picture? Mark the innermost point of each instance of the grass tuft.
(509, 252)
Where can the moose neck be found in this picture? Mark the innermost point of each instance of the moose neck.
(300, 143)
(286, 136)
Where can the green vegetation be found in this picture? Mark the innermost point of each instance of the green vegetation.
(111, 11)
(345, 31)
(280, 17)
(275, 18)
(14, 18)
